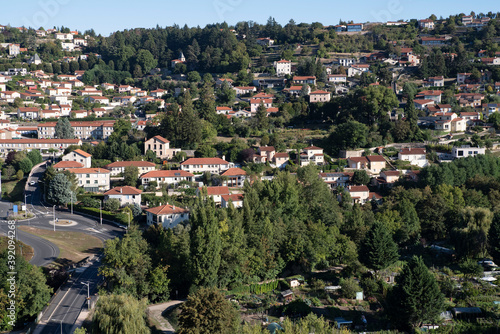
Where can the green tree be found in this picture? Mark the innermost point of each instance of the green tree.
(131, 175)
(349, 135)
(63, 129)
(146, 60)
(59, 191)
(207, 311)
(378, 250)
(112, 205)
(494, 238)
(416, 298)
(226, 93)
(205, 244)
(120, 314)
(471, 235)
(193, 76)
(35, 157)
(126, 264)
(32, 291)
(26, 165)
(361, 177)
(262, 121)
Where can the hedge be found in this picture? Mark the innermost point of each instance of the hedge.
(119, 217)
(256, 289)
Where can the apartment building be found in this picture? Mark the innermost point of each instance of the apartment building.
(83, 130)
(92, 179)
(43, 145)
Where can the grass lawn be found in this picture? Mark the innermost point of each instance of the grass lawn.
(26, 250)
(74, 246)
(14, 190)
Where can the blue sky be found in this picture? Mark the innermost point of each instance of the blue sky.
(106, 16)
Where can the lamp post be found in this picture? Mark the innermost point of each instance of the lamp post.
(71, 202)
(100, 210)
(25, 206)
(128, 214)
(54, 214)
(88, 293)
(61, 324)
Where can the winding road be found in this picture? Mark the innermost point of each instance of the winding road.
(72, 297)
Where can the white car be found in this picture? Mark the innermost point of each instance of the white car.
(487, 262)
(32, 183)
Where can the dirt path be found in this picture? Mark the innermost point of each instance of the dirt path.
(155, 312)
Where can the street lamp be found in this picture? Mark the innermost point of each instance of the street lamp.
(54, 214)
(128, 214)
(100, 210)
(88, 293)
(71, 202)
(26, 205)
(61, 324)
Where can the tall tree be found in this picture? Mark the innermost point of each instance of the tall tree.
(59, 191)
(378, 250)
(206, 312)
(120, 314)
(494, 238)
(131, 175)
(416, 298)
(206, 244)
(63, 129)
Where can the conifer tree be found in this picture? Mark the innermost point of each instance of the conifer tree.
(416, 297)
(494, 238)
(378, 250)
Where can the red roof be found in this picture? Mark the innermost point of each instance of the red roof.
(166, 173)
(412, 151)
(267, 148)
(204, 161)
(233, 197)
(214, 191)
(41, 141)
(375, 158)
(358, 159)
(160, 138)
(313, 148)
(391, 172)
(88, 170)
(166, 210)
(68, 164)
(301, 78)
(126, 190)
(234, 172)
(281, 155)
(82, 153)
(317, 92)
(284, 61)
(357, 189)
(131, 163)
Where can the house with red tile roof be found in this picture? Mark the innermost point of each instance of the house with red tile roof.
(311, 154)
(359, 194)
(281, 159)
(235, 199)
(167, 215)
(319, 96)
(255, 103)
(434, 95)
(202, 165)
(245, 90)
(283, 67)
(118, 167)
(215, 193)
(167, 177)
(416, 156)
(234, 177)
(161, 147)
(63, 165)
(91, 179)
(79, 156)
(304, 80)
(125, 195)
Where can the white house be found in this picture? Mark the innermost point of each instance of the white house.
(235, 177)
(357, 69)
(337, 78)
(236, 199)
(215, 193)
(79, 156)
(118, 167)
(126, 195)
(416, 156)
(201, 165)
(167, 215)
(467, 151)
(283, 67)
(92, 179)
(28, 113)
(169, 177)
(359, 194)
(312, 154)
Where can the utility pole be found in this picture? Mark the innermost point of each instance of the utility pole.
(71, 202)
(54, 214)
(88, 293)
(100, 210)
(25, 206)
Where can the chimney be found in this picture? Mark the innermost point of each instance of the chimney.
(121, 190)
(173, 207)
(223, 157)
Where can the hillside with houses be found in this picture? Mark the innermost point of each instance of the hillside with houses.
(299, 169)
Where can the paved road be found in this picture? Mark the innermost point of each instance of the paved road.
(156, 311)
(65, 306)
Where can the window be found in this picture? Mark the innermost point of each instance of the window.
(88, 181)
(88, 175)
(460, 153)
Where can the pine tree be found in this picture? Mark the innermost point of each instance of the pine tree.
(59, 191)
(416, 297)
(378, 250)
(63, 129)
(206, 244)
(494, 239)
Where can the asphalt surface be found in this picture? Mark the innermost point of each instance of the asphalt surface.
(67, 304)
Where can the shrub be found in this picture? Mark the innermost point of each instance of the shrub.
(349, 287)
(90, 202)
(112, 205)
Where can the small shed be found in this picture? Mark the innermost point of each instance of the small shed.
(342, 323)
(287, 295)
(294, 283)
(466, 313)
